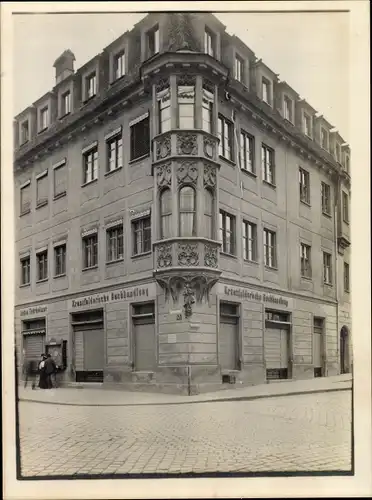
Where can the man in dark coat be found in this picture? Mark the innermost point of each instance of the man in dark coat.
(50, 369)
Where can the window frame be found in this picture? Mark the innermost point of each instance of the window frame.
(244, 138)
(132, 129)
(143, 240)
(92, 239)
(324, 133)
(116, 139)
(270, 243)
(268, 153)
(327, 266)
(115, 243)
(308, 130)
(22, 130)
(92, 152)
(57, 167)
(164, 104)
(42, 259)
(305, 261)
(26, 259)
(209, 42)
(326, 210)
(265, 82)
(288, 101)
(345, 207)
(239, 68)
(25, 208)
(224, 123)
(249, 241)
(186, 105)
(43, 124)
(65, 112)
(119, 56)
(304, 184)
(207, 108)
(92, 76)
(153, 35)
(63, 257)
(40, 202)
(210, 216)
(346, 277)
(165, 215)
(184, 211)
(223, 215)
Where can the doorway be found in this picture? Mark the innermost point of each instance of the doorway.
(344, 350)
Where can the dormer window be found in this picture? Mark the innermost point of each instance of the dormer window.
(25, 132)
(153, 41)
(338, 152)
(307, 125)
(119, 65)
(324, 138)
(266, 91)
(239, 69)
(288, 108)
(66, 103)
(91, 85)
(43, 123)
(209, 43)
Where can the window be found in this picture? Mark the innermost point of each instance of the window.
(327, 268)
(119, 65)
(90, 257)
(326, 198)
(141, 235)
(304, 180)
(42, 265)
(288, 106)
(60, 260)
(42, 189)
(115, 248)
(209, 39)
(227, 232)
(164, 109)
(140, 138)
(186, 106)
(207, 110)
(66, 103)
(25, 132)
(307, 125)
(90, 166)
(324, 138)
(345, 207)
(269, 248)
(225, 134)
(43, 119)
(249, 241)
(268, 167)
(25, 195)
(246, 151)
(187, 204)
(25, 271)
(153, 41)
(165, 214)
(91, 86)
(239, 69)
(346, 277)
(266, 91)
(347, 164)
(60, 180)
(114, 153)
(208, 213)
(338, 152)
(305, 255)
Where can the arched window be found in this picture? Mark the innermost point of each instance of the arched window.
(187, 211)
(166, 214)
(208, 213)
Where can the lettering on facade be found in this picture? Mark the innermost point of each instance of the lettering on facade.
(33, 310)
(244, 293)
(114, 296)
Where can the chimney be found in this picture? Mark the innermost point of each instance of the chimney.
(64, 65)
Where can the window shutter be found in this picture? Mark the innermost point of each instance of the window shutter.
(42, 189)
(26, 198)
(60, 180)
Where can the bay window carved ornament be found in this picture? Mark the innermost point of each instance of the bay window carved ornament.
(210, 256)
(186, 144)
(162, 85)
(164, 256)
(186, 80)
(210, 176)
(163, 147)
(188, 254)
(209, 147)
(187, 172)
(164, 175)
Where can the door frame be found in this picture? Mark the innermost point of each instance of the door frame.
(344, 350)
(239, 336)
(282, 325)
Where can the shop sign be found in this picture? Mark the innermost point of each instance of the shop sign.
(123, 294)
(253, 295)
(31, 311)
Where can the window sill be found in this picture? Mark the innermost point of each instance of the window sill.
(89, 182)
(41, 281)
(135, 160)
(64, 116)
(24, 143)
(347, 291)
(227, 160)
(42, 204)
(307, 278)
(346, 222)
(254, 262)
(89, 268)
(288, 121)
(25, 212)
(63, 275)
(109, 172)
(249, 173)
(329, 216)
(112, 262)
(305, 203)
(269, 184)
(88, 99)
(23, 285)
(225, 254)
(42, 130)
(329, 285)
(271, 268)
(115, 80)
(143, 254)
(59, 195)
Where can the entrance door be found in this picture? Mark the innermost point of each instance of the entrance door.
(318, 347)
(144, 337)
(276, 352)
(93, 350)
(344, 350)
(228, 336)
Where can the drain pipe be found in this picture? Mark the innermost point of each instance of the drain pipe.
(188, 380)
(336, 264)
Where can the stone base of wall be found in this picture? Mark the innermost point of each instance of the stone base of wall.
(332, 369)
(302, 372)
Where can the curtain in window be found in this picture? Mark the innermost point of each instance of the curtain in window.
(187, 211)
(166, 213)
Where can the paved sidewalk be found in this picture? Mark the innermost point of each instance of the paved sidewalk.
(104, 397)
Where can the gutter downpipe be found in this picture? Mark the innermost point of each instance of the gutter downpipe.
(336, 265)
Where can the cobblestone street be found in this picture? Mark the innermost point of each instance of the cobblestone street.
(310, 432)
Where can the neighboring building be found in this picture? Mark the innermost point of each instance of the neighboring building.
(182, 217)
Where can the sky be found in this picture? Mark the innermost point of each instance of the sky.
(310, 51)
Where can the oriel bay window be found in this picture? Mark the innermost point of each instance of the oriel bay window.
(246, 152)
(249, 241)
(165, 214)
(139, 137)
(90, 251)
(268, 166)
(225, 134)
(141, 235)
(186, 105)
(207, 108)
(187, 208)
(42, 265)
(305, 256)
(227, 232)
(270, 258)
(164, 109)
(208, 213)
(60, 260)
(115, 243)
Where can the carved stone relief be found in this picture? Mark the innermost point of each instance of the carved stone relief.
(162, 84)
(188, 254)
(186, 144)
(209, 147)
(186, 80)
(187, 172)
(210, 176)
(210, 256)
(164, 256)
(164, 175)
(163, 147)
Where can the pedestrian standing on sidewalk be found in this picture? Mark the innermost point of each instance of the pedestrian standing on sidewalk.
(50, 370)
(43, 382)
(27, 371)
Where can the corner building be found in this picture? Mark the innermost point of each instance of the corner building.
(182, 218)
